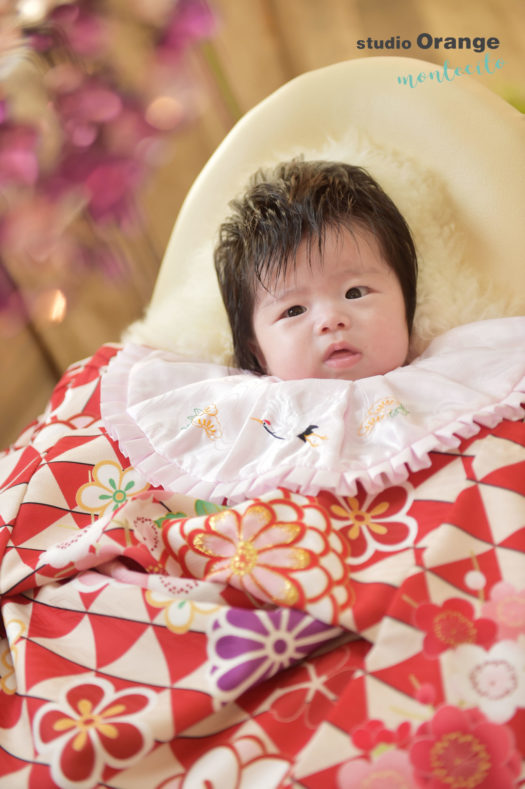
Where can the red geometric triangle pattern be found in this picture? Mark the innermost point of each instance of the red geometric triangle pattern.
(150, 637)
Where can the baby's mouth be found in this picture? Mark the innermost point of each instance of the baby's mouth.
(341, 355)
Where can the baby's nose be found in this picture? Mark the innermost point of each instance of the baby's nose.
(331, 320)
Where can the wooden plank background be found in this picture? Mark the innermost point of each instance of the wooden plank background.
(259, 45)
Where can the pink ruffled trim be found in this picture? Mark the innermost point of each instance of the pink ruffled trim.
(165, 473)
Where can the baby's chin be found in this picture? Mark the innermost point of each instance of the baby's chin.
(336, 375)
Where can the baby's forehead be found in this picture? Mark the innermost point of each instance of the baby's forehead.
(340, 250)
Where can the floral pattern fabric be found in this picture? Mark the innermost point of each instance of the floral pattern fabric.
(291, 642)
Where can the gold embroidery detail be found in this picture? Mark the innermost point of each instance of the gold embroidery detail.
(381, 409)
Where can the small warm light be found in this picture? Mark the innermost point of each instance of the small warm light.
(51, 306)
(57, 307)
(32, 11)
(164, 113)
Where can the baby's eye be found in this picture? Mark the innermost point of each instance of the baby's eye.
(356, 292)
(291, 312)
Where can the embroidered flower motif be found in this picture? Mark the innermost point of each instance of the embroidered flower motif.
(388, 407)
(254, 552)
(243, 764)
(246, 647)
(460, 749)
(452, 624)
(179, 614)
(392, 769)
(111, 487)
(373, 523)
(90, 728)
(506, 607)
(206, 419)
(492, 680)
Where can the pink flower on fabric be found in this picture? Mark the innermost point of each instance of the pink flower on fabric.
(460, 749)
(392, 770)
(372, 522)
(255, 552)
(506, 607)
(92, 727)
(452, 624)
(374, 734)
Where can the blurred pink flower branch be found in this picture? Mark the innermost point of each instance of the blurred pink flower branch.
(80, 131)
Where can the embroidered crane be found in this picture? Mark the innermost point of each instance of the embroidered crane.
(307, 435)
(266, 424)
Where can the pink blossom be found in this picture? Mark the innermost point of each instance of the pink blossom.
(85, 108)
(85, 32)
(507, 608)
(110, 187)
(391, 769)
(192, 20)
(374, 733)
(40, 41)
(129, 133)
(91, 102)
(107, 182)
(461, 748)
(18, 157)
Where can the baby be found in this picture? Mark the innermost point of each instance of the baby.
(317, 270)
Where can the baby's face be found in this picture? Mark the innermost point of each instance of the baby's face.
(339, 317)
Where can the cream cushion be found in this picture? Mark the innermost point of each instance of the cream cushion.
(451, 155)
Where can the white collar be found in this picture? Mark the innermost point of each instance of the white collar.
(218, 434)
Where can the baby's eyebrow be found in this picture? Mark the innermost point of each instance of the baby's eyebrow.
(271, 297)
(283, 295)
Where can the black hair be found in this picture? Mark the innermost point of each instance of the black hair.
(298, 201)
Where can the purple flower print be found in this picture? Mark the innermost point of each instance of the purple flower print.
(247, 647)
